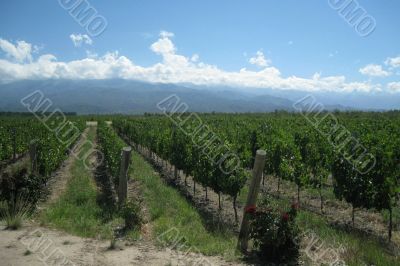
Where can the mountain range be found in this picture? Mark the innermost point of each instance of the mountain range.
(136, 97)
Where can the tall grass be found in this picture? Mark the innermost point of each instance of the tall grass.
(15, 211)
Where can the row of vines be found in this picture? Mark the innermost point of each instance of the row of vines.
(16, 133)
(297, 151)
(110, 145)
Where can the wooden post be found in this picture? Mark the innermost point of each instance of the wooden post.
(175, 172)
(123, 175)
(251, 198)
(33, 156)
(13, 131)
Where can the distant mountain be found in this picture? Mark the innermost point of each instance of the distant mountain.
(373, 101)
(134, 97)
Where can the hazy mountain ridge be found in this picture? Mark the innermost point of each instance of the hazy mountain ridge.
(134, 97)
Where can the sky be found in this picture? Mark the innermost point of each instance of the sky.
(331, 45)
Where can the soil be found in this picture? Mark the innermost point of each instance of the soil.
(33, 245)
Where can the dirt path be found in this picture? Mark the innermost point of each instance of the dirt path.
(34, 245)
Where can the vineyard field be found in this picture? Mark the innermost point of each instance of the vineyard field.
(207, 163)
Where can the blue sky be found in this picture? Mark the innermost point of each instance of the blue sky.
(300, 39)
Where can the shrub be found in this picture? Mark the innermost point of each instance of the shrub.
(15, 211)
(274, 232)
(19, 183)
(131, 213)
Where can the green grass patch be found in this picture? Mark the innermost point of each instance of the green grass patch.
(77, 210)
(171, 212)
(359, 250)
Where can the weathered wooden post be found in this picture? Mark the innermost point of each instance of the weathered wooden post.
(33, 156)
(251, 198)
(123, 175)
(13, 131)
(175, 172)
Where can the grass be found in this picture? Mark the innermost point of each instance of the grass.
(168, 209)
(13, 213)
(359, 249)
(77, 211)
(395, 217)
(170, 212)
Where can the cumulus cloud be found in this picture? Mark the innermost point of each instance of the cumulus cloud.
(259, 60)
(79, 39)
(173, 68)
(393, 61)
(20, 52)
(195, 58)
(166, 34)
(374, 70)
(163, 46)
(394, 86)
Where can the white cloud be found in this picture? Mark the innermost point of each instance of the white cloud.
(259, 60)
(78, 39)
(195, 58)
(393, 61)
(394, 87)
(173, 68)
(374, 70)
(163, 46)
(20, 52)
(166, 34)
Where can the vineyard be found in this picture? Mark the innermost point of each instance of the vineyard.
(18, 136)
(296, 152)
(209, 161)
